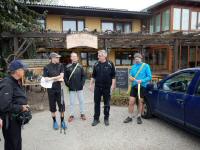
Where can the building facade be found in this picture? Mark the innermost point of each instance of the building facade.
(154, 32)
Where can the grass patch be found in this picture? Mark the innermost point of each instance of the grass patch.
(120, 98)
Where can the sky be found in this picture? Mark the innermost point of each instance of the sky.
(133, 5)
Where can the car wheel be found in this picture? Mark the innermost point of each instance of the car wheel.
(147, 111)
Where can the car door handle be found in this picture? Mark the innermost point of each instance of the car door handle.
(180, 101)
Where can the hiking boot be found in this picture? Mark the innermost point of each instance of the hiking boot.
(95, 122)
(139, 120)
(55, 125)
(63, 125)
(106, 122)
(128, 119)
(71, 118)
(83, 117)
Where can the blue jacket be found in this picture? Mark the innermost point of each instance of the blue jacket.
(145, 74)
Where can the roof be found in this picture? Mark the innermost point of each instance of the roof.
(88, 11)
(166, 2)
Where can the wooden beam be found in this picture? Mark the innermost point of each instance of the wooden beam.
(15, 44)
(175, 62)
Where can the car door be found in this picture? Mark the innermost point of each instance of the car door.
(172, 94)
(192, 108)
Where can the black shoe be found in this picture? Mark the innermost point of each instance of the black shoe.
(95, 122)
(106, 122)
(139, 120)
(128, 119)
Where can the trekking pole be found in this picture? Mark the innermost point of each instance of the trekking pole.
(139, 91)
(62, 104)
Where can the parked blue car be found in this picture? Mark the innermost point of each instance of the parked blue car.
(176, 99)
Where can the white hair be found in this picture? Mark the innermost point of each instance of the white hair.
(103, 52)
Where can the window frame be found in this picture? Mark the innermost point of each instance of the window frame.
(45, 22)
(197, 88)
(175, 75)
(73, 19)
(121, 53)
(180, 53)
(168, 9)
(106, 22)
(115, 25)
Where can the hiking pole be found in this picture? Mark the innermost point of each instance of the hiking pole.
(62, 104)
(139, 91)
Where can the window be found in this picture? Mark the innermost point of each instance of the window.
(185, 19)
(198, 21)
(80, 25)
(73, 25)
(176, 19)
(165, 20)
(189, 56)
(179, 83)
(69, 25)
(157, 58)
(124, 58)
(192, 57)
(194, 21)
(181, 19)
(152, 25)
(107, 26)
(158, 23)
(127, 27)
(198, 90)
(198, 57)
(184, 57)
(117, 26)
(42, 23)
(84, 59)
(92, 58)
(88, 58)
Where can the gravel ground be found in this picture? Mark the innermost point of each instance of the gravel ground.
(153, 134)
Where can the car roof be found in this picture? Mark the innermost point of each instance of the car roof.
(187, 69)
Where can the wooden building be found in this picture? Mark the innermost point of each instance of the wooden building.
(167, 34)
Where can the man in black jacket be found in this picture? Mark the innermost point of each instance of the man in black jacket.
(104, 78)
(13, 101)
(75, 80)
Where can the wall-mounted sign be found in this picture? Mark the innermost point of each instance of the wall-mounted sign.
(81, 40)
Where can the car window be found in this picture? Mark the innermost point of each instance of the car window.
(198, 90)
(179, 83)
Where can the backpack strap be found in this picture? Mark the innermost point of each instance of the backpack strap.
(138, 72)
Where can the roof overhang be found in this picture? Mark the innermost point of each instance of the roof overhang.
(89, 11)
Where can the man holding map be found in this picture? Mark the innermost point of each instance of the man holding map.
(54, 71)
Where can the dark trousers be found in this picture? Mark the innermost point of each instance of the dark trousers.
(55, 97)
(12, 136)
(98, 93)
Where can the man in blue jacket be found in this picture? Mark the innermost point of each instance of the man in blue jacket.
(140, 74)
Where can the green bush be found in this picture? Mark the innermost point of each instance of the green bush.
(3, 74)
(119, 98)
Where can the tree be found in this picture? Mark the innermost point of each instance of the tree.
(15, 16)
